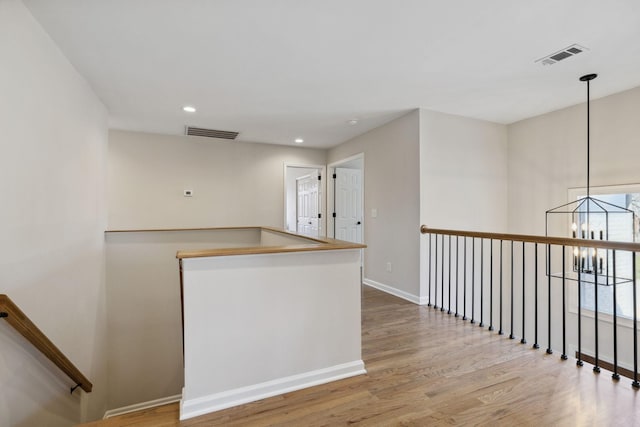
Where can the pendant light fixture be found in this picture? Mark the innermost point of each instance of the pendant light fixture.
(588, 218)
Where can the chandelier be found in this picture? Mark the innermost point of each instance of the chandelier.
(589, 218)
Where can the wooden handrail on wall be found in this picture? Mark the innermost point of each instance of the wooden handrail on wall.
(25, 327)
(566, 241)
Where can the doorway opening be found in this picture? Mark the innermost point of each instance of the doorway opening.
(303, 199)
(346, 199)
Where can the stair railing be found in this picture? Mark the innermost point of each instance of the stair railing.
(25, 327)
(457, 283)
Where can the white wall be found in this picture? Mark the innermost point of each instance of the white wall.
(234, 183)
(547, 156)
(296, 323)
(392, 186)
(463, 173)
(53, 133)
(463, 178)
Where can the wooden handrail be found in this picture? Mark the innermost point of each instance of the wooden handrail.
(566, 241)
(25, 327)
(313, 244)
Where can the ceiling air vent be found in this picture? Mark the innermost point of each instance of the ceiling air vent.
(210, 133)
(562, 54)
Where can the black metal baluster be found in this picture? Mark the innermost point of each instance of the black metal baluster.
(457, 276)
(535, 290)
(473, 278)
(481, 281)
(564, 311)
(523, 340)
(442, 280)
(549, 351)
(615, 374)
(435, 281)
(464, 283)
(500, 331)
(511, 336)
(491, 285)
(449, 301)
(635, 383)
(596, 367)
(429, 301)
(579, 361)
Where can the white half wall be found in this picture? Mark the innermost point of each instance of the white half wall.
(53, 136)
(275, 323)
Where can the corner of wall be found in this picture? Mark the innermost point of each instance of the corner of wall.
(54, 223)
(392, 188)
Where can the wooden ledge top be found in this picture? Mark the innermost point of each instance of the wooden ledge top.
(314, 244)
(303, 244)
(258, 250)
(160, 230)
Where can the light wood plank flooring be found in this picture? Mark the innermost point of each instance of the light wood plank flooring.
(427, 368)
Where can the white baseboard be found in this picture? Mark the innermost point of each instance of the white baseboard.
(395, 292)
(215, 402)
(140, 406)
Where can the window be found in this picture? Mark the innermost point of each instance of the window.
(620, 228)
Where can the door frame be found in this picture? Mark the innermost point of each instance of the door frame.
(322, 223)
(331, 191)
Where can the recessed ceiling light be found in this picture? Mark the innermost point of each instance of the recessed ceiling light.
(299, 140)
(189, 109)
(352, 122)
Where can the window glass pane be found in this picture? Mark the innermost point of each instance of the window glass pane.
(621, 227)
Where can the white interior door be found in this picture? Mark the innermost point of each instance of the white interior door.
(307, 205)
(348, 205)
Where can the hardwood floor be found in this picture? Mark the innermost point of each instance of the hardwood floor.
(427, 368)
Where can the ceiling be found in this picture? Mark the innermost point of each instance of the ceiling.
(283, 69)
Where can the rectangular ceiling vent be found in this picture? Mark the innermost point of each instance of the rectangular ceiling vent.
(210, 133)
(562, 54)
